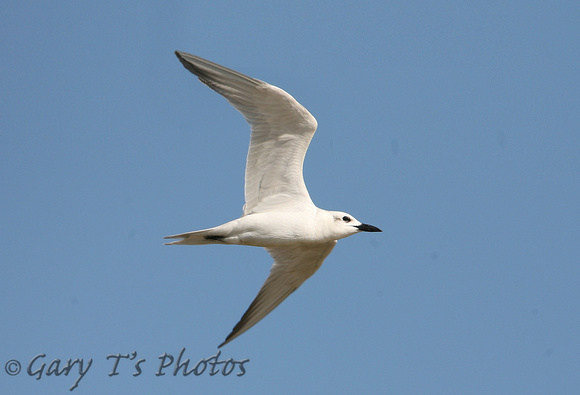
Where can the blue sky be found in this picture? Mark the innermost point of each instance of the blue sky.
(453, 126)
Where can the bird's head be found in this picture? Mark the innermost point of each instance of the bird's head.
(344, 225)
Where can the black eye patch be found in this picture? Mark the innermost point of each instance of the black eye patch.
(346, 219)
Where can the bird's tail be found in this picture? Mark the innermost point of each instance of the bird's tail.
(199, 237)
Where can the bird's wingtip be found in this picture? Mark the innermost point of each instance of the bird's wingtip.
(225, 342)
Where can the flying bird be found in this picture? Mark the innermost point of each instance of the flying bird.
(278, 213)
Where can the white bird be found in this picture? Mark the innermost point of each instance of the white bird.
(278, 214)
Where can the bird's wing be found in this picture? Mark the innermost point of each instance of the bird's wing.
(281, 132)
(292, 266)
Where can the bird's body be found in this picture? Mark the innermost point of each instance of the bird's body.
(270, 229)
(278, 214)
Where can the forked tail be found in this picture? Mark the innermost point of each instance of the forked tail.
(198, 237)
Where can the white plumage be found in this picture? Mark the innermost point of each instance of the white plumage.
(278, 214)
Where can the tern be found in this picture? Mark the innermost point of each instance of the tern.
(278, 213)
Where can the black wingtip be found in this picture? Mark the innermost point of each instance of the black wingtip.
(182, 59)
(225, 341)
(189, 65)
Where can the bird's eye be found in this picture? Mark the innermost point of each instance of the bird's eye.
(346, 218)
